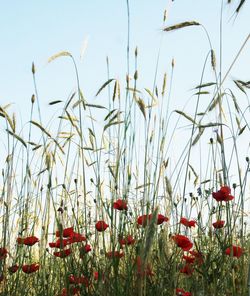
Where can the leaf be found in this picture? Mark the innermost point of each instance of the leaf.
(211, 124)
(197, 138)
(185, 115)
(17, 137)
(142, 186)
(58, 55)
(151, 95)
(141, 105)
(104, 85)
(4, 114)
(41, 128)
(109, 114)
(54, 102)
(242, 129)
(240, 6)
(237, 108)
(206, 181)
(133, 90)
(214, 103)
(70, 99)
(181, 25)
(112, 123)
(202, 93)
(240, 86)
(205, 85)
(95, 106)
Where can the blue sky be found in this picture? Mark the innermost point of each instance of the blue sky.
(35, 30)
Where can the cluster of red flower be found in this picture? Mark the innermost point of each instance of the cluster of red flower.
(67, 237)
(181, 292)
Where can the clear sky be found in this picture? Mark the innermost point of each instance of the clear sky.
(35, 30)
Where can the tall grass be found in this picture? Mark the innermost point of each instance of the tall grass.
(74, 170)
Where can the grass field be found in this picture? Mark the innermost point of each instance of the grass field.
(128, 197)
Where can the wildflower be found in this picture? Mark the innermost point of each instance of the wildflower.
(98, 276)
(3, 253)
(30, 268)
(218, 224)
(13, 268)
(129, 240)
(183, 242)
(72, 291)
(63, 253)
(84, 250)
(187, 269)
(28, 241)
(78, 280)
(120, 205)
(198, 256)
(181, 292)
(144, 219)
(67, 232)
(189, 259)
(188, 223)
(101, 226)
(60, 243)
(224, 194)
(76, 238)
(161, 219)
(115, 254)
(234, 250)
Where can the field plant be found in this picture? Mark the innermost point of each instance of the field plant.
(101, 200)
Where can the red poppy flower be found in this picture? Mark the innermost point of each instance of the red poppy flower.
(98, 276)
(234, 250)
(28, 241)
(129, 240)
(198, 256)
(67, 232)
(120, 205)
(78, 280)
(161, 219)
(189, 259)
(60, 243)
(115, 254)
(181, 292)
(30, 268)
(13, 268)
(218, 224)
(187, 269)
(63, 253)
(84, 250)
(142, 272)
(71, 291)
(101, 226)
(183, 242)
(188, 223)
(224, 194)
(76, 238)
(87, 248)
(3, 253)
(144, 219)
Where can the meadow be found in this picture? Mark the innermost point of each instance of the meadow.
(124, 196)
